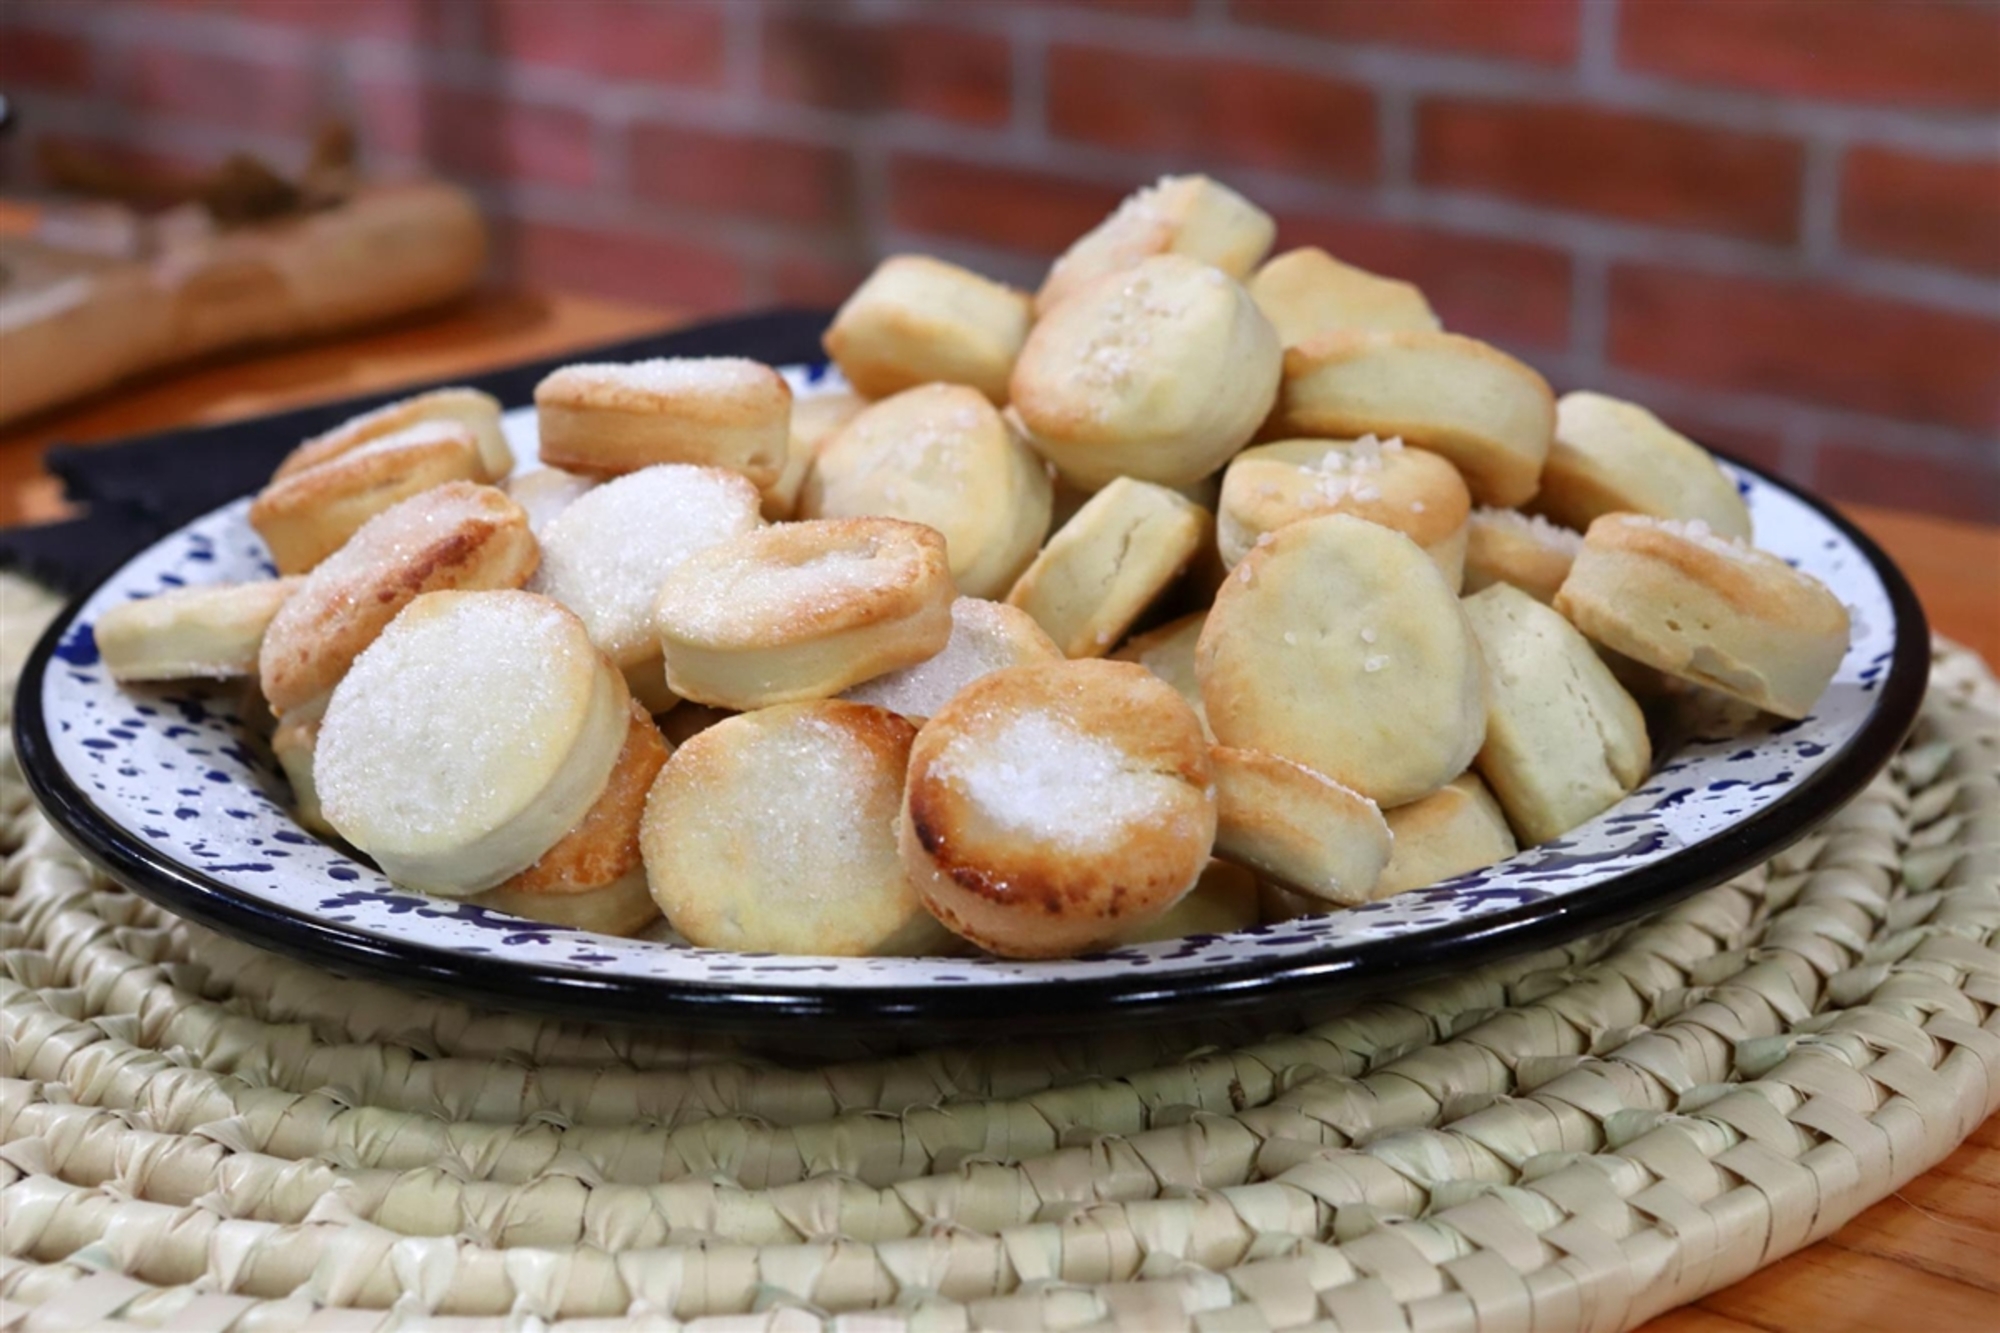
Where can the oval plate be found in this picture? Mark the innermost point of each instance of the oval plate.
(174, 793)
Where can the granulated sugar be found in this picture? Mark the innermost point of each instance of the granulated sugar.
(1698, 532)
(605, 555)
(666, 375)
(1531, 525)
(979, 645)
(423, 735)
(1039, 777)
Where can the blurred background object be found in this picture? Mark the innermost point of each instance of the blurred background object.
(1777, 222)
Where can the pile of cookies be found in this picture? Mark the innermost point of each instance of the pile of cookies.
(1197, 589)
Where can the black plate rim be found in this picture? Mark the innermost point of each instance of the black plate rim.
(973, 1009)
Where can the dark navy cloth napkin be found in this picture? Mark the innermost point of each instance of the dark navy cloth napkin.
(136, 491)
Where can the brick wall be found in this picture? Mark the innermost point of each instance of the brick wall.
(1777, 221)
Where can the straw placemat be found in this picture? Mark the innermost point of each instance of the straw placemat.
(204, 1137)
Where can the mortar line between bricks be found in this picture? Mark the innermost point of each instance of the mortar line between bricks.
(1028, 71)
(1589, 313)
(743, 52)
(1396, 140)
(1598, 72)
(1819, 202)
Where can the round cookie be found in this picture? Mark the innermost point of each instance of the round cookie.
(1159, 372)
(1455, 830)
(1564, 741)
(1487, 413)
(722, 411)
(918, 320)
(293, 742)
(1676, 596)
(1307, 292)
(803, 610)
(1297, 827)
(1098, 575)
(775, 831)
(1413, 491)
(1050, 809)
(985, 637)
(939, 455)
(1523, 550)
(457, 536)
(593, 878)
(605, 556)
(1184, 215)
(1338, 645)
(212, 632)
(1616, 457)
(305, 516)
(477, 412)
(469, 738)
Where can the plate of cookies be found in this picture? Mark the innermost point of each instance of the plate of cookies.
(1208, 631)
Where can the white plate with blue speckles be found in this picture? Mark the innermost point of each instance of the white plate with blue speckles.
(172, 790)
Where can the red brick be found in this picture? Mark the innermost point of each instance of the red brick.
(55, 62)
(1937, 53)
(1932, 210)
(741, 175)
(626, 265)
(222, 89)
(641, 40)
(1506, 291)
(1030, 211)
(802, 279)
(1229, 111)
(1967, 488)
(950, 73)
(370, 18)
(1544, 31)
(1730, 331)
(1618, 164)
(466, 133)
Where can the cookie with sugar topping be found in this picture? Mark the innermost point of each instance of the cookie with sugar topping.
(305, 515)
(803, 611)
(1337, 644)
(1525, 551)
(1492, 416)
(470, 737)
(605, 556)
(940, 455)
(1225, 898)
(1455, 830)
(1675, 595)
(1307, 292)
(1611, 456)
(1051, 809)
(1182, 215)
(722, 411)
(593, 878)
(1297, 827)
(1110, 562)
(1411, 490)
(211, 632)
(775, 831)
(918, 320)
(293, 742)
(985, 637)
(461, 535)
(477, 412)
(1159, 372)
(1564, 741)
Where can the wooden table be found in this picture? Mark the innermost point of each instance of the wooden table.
(1928, 1258)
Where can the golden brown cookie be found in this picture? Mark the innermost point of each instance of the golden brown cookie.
(1614, 457)
(477, 412)
(1183, 215)
(1524, 550)
(985, 637)
(1307, 292)
(1297, 827)
(1053, 808)
(724, 411)
(306, 515)
(1455, 830)
(212, 632)
(918, 320)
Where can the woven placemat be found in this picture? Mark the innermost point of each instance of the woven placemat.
(204, 1137)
